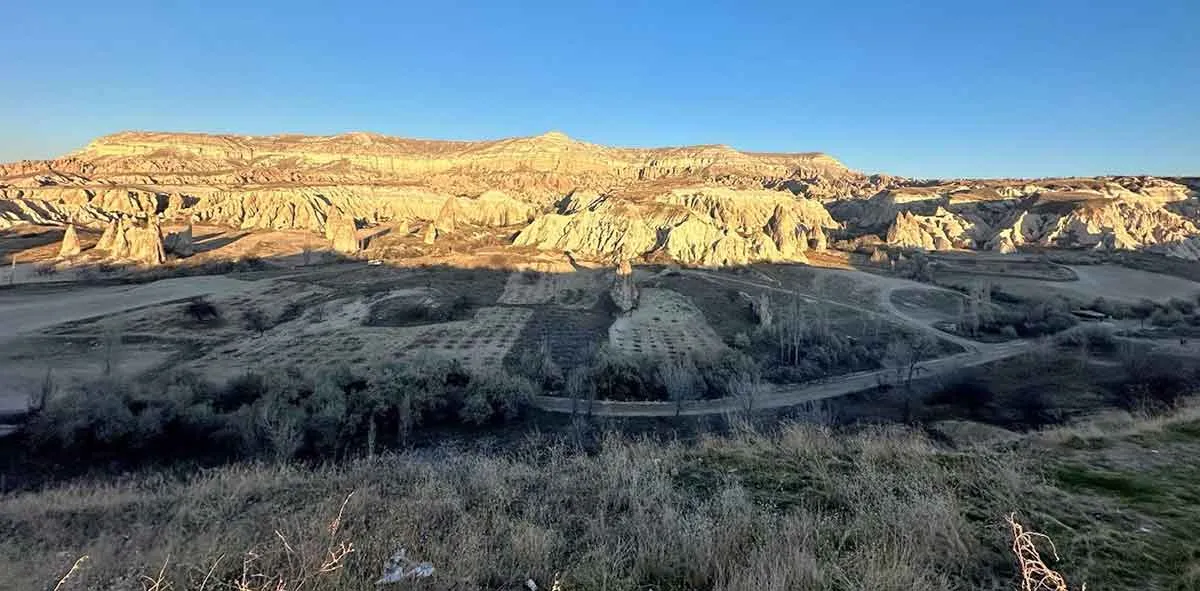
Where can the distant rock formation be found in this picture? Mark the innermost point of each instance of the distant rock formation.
(129, 239)
(698, 205)
(70, 243)
(145, 242)
(108, 239)
(700, 226)
(180, 243)
(447, 217)
(342, 233)
(818, 240)
(783, 227)
(624, 291)
(940, 231)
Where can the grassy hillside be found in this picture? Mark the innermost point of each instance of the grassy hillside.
(801, 508)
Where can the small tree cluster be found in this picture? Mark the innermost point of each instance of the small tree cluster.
(280, 414)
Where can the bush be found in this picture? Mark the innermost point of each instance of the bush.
(969, 392)
(254, 319)
(1156, 382)
(497, 397)
(1167, 318)
(1186, 307)
(292, 311)
(278, 415)
(622, 377)
(1093, 337)
(202, 310)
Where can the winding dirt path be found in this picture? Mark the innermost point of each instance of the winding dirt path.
(974, 354)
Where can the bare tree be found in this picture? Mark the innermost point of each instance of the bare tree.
(112, 344)
(905, 355)
(580, 389)
(308, 250)
(791, 332)
(746, 388)
(680, 378)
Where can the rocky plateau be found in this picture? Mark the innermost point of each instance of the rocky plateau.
(699, 205)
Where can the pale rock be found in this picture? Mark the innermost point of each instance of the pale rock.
(342, 233)
(448, 216)
(624, 291)
(70, 243)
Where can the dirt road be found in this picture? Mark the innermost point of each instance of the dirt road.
(787, 396)
(28, 312)
(974, 354)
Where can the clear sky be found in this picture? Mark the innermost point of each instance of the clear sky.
(955, 88)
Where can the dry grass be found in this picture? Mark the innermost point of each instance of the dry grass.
(802, 508)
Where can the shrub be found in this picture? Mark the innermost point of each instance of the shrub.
(496, 397)
(622, 377)
(290, 312)
(279, 415)
(1187, 307)
(1156, 382)
(1167, 318)
(1093, 337)
(969, 392)
(202, 310)
(254, 319)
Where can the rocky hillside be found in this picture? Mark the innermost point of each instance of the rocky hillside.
(708, 205)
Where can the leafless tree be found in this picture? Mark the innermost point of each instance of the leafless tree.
(680, 378)
(581, 390)
(746, 388)
(112, 344)
(791, 332)
(905, 355)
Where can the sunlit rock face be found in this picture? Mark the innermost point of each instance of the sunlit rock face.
(703, 205)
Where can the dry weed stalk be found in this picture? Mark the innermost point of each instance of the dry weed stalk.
(303, 570)
(158, 583)
(1035, 575)
(75, 567)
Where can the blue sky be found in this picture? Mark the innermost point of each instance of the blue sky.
(963, 88)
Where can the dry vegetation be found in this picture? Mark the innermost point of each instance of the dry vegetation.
(800, 508)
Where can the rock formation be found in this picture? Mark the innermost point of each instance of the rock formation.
(702, 205)
(447, 217)
(940, 231)
(108, 238)
(145, 243)
(624, 291)
(818, 239)
(342, 232)
(128, 239)
(783, 228)
(180, 243)
(70, 243)
(430, 234)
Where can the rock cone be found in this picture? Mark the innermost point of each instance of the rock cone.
(70, 243)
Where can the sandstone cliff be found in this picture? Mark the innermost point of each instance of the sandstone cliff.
(706, 205)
